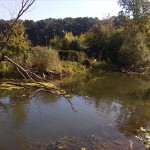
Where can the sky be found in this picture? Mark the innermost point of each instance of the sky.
(43, 9)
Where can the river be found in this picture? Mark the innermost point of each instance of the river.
(103, 113)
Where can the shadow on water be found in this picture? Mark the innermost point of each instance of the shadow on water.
(103, 110)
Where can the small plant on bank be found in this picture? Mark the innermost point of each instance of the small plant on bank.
(42, 59)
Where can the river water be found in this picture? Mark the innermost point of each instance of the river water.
(103, 112)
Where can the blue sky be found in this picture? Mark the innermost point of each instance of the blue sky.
(43, 9)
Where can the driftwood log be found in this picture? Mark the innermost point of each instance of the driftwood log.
(42, 88)
(29, 75)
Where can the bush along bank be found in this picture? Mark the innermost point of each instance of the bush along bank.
(47, 63)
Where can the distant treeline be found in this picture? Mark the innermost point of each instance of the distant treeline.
(41, 32)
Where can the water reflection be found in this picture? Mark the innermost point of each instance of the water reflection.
(111, 106)
(133, 115)
(128, 96)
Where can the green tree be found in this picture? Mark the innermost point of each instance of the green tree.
(99, 40)
(134, 52)
(138, 11)
(30, 30)
(18, 43)
(12, 40)
(71, 42)
(17, 49)
(18, 46)
(56, 43)
(114, 44)
(68, 42)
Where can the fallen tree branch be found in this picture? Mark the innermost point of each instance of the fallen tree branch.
(18, 66)
(17, 84)
(41, 87)
(27, 72)
(22, 74)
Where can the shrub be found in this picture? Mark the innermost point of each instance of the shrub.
(72, 68)
(70, 55)
(43, 59)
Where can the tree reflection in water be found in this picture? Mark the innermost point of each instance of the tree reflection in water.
(128, 96)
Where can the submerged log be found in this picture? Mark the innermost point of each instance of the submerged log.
(41, 87)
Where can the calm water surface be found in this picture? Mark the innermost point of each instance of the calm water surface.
(109, 106)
